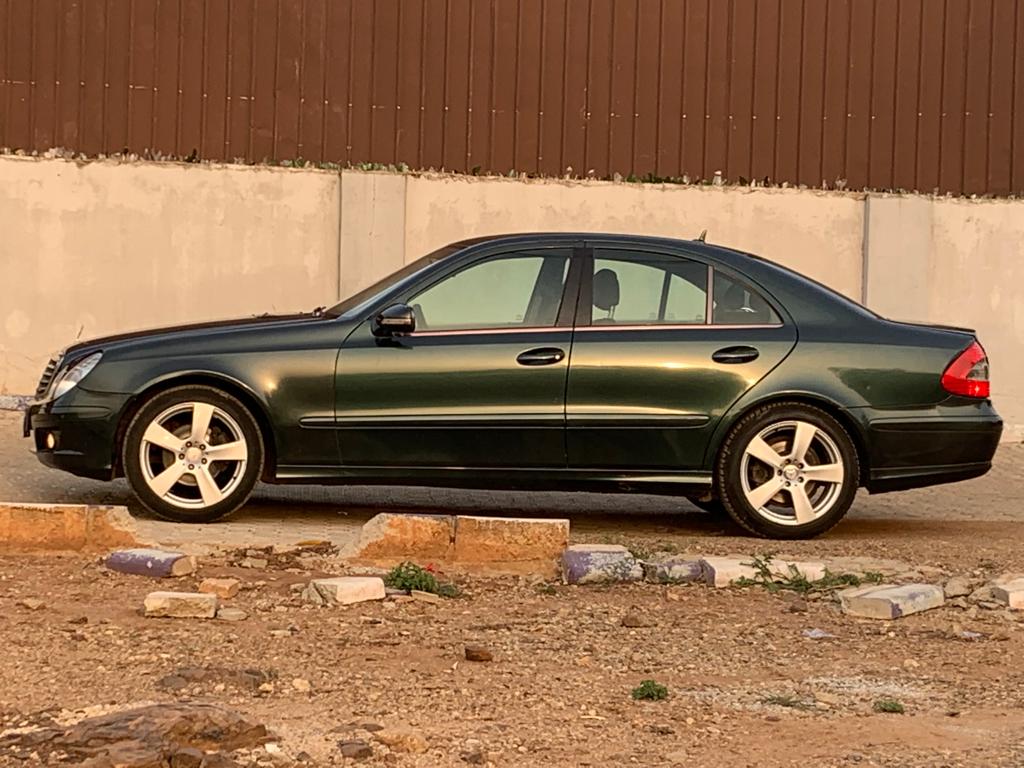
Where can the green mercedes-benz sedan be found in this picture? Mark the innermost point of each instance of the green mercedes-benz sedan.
(541, 361)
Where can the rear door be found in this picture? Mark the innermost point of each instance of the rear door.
(663, 346)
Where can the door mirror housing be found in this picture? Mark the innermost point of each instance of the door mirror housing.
(396, 320)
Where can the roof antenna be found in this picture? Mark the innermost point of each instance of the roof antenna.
(702, 237)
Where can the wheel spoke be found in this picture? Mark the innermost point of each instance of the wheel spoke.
(761, 451)
(202, 413)
(824, 473)
(161, 437)
(207, 486)
(163, 482)
(761, 495)
(801, 504)
(236, 451)
(802, 438)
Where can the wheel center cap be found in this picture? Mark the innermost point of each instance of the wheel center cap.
(791, 472)
(193, 455)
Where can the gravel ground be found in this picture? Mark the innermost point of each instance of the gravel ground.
(746, 687)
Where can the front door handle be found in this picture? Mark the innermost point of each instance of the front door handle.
(541, 356)
(733, 355)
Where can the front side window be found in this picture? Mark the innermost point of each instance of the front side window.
(518, 290)
(648, 289)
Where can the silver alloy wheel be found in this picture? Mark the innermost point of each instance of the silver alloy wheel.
(193, 455)
(792, 473)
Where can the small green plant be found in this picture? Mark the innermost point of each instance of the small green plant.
(888, 706)
(409, 576)
(648, 690)
(786, 700)
(793, 580)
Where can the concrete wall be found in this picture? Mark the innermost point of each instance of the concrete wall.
(88, 249)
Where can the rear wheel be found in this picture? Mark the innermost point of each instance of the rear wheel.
(193, 454)
(788, 471)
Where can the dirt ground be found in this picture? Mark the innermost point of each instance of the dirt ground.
(746, 686)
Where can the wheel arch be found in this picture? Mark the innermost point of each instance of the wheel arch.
(853, 427)
(226, 384)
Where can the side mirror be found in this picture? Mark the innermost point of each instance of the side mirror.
(395, 320)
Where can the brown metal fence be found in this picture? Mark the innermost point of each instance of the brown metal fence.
(912, 94)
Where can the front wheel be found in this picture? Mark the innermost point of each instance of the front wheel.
(788, 471)
(192, 454)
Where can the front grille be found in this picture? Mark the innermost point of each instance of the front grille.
(44, 383)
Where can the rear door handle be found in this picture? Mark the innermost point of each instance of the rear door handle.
(733, 355)
(541, 356)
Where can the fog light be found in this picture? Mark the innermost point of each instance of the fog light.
(51, 441)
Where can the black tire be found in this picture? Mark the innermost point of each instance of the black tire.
(729, 472)
(242, 477)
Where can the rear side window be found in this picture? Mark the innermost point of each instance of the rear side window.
(736, 303)
(647, 289)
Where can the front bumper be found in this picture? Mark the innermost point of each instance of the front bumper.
(942, 446)
(76, 433)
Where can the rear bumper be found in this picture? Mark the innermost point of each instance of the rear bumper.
(81, 427)
(931, 449)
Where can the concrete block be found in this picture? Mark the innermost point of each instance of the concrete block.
(599, 563)
(1010, 593)
(723, 571)
(181, 605)
(673, 570)
(886, 601)
(62, 527)
(151, 562)
(812, 571)
(510, 544)
(344, 590)
(392, 538)
(222, 588)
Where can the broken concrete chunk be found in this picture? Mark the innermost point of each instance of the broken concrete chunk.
(392, 537)
(181, 605)
(344, 590)
(723, 571)
(891, 602)
(1010, 593)
(150, 562)
(222, 588)
(599, 563)
(673, 570)
(784, 569)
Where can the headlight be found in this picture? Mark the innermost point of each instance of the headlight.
(75, 373)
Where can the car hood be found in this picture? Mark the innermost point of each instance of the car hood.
(105, 342)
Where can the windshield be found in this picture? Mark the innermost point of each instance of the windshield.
(358, 302)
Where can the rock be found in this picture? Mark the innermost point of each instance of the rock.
(402, 740)
(302, 686)
(259, 563)
(636, 621)
(510, 544)
(673, 570)
(474, 752)
(425, 597)
(143, 737)
(723, 571)
(355, 749)
(890, 602)
(344, 590)
(983, 592)
(32, 603)
(150, 562)
(794, 602)
(1010, 593)
(599, 563)
(817, 634)
(181, 605)
(478, 653)
(190, 757)
(958, 586)
(222, 588)
(231, 614)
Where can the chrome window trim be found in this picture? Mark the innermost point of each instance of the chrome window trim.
(566, 328)
(491, 331)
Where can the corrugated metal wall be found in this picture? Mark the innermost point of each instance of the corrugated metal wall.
(914, 94)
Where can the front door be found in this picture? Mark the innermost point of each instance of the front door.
(480, 383)
(664, 345)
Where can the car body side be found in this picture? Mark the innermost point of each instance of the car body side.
(881, 379)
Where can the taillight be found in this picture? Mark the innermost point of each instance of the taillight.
(967, 375)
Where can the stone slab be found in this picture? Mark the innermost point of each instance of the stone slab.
(510, 544)
(599, 564)
(810, 570)
(150, 562)
(344, 590)
(887, 601)
(673, 570)
(1010, 593)
(389, 537)
(222, 588)
(724, 571)
(65, 527)
(181, 605)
